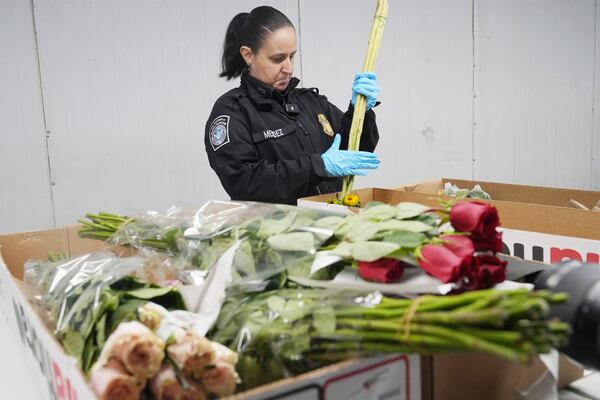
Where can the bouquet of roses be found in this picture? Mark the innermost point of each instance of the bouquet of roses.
(456, 243)
(127, 335)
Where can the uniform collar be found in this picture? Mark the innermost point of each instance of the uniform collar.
(263, 93)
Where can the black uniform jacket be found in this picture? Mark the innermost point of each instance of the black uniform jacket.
(266, 146)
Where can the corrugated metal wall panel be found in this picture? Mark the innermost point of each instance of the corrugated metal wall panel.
(25, 197)
(425, 72)
(534, 69)
(129, 87)
(596, 133)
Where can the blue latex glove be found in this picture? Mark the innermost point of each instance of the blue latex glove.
(345, 163)
(365, 83)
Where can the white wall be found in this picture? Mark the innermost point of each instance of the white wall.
(488, 89)
(25, 195)
(534, 70)
(595, 149)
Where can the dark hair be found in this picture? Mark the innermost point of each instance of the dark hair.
(251, 30)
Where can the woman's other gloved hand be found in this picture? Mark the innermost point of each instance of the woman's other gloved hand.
(345, 163)
(365, 83)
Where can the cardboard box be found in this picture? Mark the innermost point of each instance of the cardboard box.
(57, 375)
(401, 376)
(535, 226)
(538, 224)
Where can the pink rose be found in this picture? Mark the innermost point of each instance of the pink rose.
(112, 381)
(165, 386)
(221, 379)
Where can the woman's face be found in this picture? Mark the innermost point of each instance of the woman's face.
(273, 63)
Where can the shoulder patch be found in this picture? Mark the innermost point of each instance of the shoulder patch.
(219, 132)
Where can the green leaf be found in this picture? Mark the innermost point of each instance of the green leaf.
(347, 225)
(127, 311)
(301, 221)
(324, 320)
(276, 303)
(428, 219)
(371, 251)
(295, 241)
(73, 344)
(168, 297)
(90, 354)
(243, 261)
(344, 249)
(406, 238)
(332, 223)
(372, 204)
(363, 230)
(270, 227)
(294, 310)
(407, 210)
(101, 331)
(149, 293)
(293, 349)
(412, 226)
(382, 212)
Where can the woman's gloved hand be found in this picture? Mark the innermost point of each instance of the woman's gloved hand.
(365, 83)
(345, 163)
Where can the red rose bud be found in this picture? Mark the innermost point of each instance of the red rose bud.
(460, 245)
(475, 217)
(492, 242)
(443, 263)
(384, 270)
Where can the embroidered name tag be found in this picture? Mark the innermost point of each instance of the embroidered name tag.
(269, 134)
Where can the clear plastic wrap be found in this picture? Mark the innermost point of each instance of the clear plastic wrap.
(284, 332)
(271, 331)
(159, 230)
(83, 299)
(64, 287)
(271, 239)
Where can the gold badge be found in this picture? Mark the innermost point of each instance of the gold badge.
(326, 125)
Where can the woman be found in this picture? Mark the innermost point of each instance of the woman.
(270, 141)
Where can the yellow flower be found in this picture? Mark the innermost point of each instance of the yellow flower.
(351, 200)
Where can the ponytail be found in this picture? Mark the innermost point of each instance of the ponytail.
(232, 62)
(248, 29)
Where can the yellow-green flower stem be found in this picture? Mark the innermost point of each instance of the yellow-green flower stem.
(360, 105)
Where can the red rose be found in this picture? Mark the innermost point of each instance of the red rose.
(460, 245)
(384, 270)
(485, 272)
(492, 242)
(475, 217)
(443, 263)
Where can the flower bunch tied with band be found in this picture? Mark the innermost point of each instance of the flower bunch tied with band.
(455, 243)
